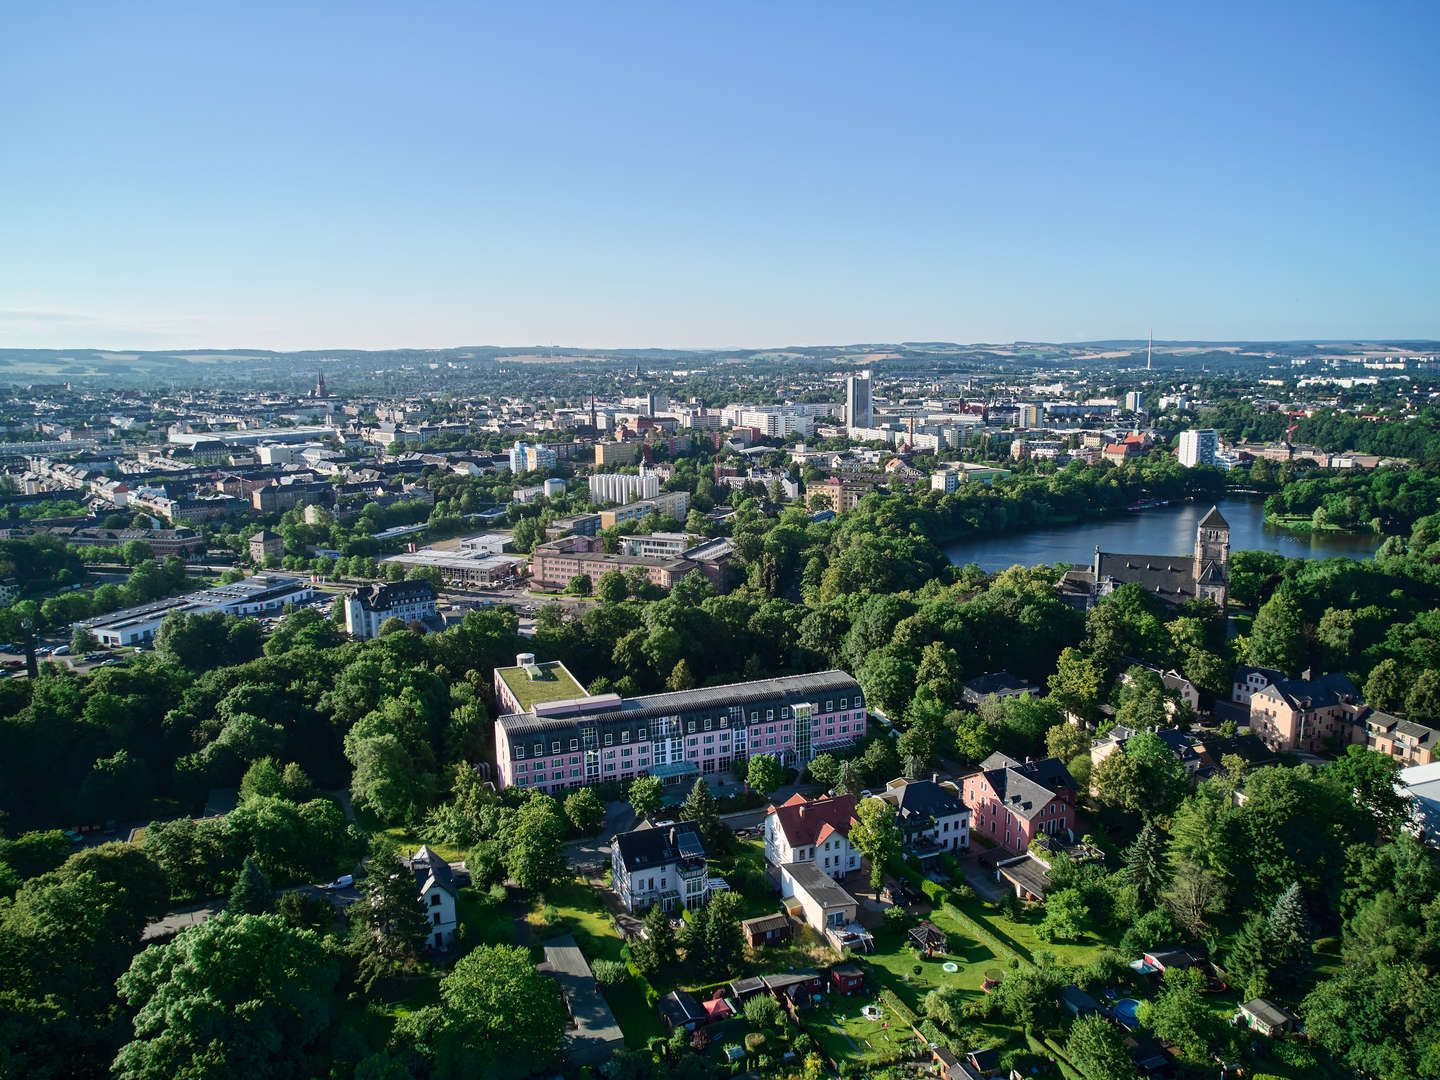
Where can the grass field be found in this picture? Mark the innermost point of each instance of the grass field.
(843, 1034)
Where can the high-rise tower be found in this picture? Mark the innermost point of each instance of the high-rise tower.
(858, 409)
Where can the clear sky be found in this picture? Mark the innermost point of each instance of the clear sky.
(375, 175)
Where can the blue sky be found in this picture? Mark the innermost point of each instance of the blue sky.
(379, 175)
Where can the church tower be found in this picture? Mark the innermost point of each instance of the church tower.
(1212, 558)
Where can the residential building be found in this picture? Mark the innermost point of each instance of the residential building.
(673, 504)
(931, 816)
(262, 594)
(555, 562)
(527, 457)
(999, 684)
(660, 864)
(616, 453)
(1174, 579)
(1134, 401)
(859, 408)
(1266, 1017)
(264, 544)
(774, 421)
(1012, 802)
(622, 487)
(1305, 713)
(554, 736)
(1185, 747)
(438, 893)
(1198, 447)
(840, 493)
(824, 903)
(1407, 742)
(802, 830)
(367, 607)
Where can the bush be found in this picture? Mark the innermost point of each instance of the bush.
(916, 969)
(700, 1040)
(754, 1041)
(610, 972)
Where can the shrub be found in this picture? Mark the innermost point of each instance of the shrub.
(754, 1041)
(610, 972)
(700, 1040)
(916, 970)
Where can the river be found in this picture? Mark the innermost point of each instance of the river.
(1168, 530)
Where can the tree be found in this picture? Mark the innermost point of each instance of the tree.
(1290, 937)
(585, 811)
(712, 935)
(1065, 915)
(1180, 1015)
(579, 585)
(700, 807)
(499, 1018)
(1096, 1048)
(392, 625)
(1387, 686)
(535, 855)
(388, 926)
(824, 768)
(1195, 895)
(764, 774)
(876, 835)
(611, 588)
(1371, 779)
(239, 996)
(1145, 777)
(646, 794)
(1077, 684)
(1146, 867)
(654, 949)
(83, 641)
(1067, 741)
(262, 778)
(1248, 964)
(252, 894)
(1277, 638)
(763, 1011)
(680, 676)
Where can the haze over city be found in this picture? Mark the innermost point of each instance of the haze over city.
(750, 175)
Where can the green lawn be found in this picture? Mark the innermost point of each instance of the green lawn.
(1022, 933)
(554, 683)
(574, 908)
(483, 921)
(844, 1035)
(745, 871)
(893, 963)
(404, 838)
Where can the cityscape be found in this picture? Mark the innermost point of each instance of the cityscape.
(929, 567)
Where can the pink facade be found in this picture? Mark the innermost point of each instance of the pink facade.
(563, 752)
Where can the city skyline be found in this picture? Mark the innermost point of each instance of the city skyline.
(271, 178)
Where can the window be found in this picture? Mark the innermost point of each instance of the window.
(435, 899)
(785, 712)
(830, 706)
(624, 736)
(769, 714)
(724, 721)
(858, 702)
(609, 739)
(709, 739)
(521, 767)
(519, 752)
(691, 726)
(641, 736)
(707, 723)
(754, 716)
(574, 744)
(574, 773)
(844, 703)
(626, 752)
(555, 747)
(540, 749)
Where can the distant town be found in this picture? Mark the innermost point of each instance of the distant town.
(659, 697)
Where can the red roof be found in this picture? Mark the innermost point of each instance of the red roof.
(718, 1009)
(805, 822)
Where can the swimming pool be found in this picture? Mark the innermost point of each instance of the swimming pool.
(1124, 1011)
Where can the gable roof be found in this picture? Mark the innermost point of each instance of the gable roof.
(805, 821)
(431, 872)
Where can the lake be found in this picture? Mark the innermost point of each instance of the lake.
(1169, 530)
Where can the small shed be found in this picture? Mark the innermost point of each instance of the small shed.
(929, 938)
(1162, 960)
(1078, 1003)
(1265, 1016)
(743, 990)
(800, 988)
(766, 929)
(846, 979)
(679, 1009)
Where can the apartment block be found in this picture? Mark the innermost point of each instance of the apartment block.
(556, 736)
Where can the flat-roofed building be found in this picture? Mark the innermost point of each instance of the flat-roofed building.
(554, 736)
(258, 595)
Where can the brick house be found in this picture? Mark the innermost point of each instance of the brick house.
(1012, 802)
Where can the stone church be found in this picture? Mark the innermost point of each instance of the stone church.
(1175, 579)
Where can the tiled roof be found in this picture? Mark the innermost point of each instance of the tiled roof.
(657, 846)
(805, 822)
(1026, 788)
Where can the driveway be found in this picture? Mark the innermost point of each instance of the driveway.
(981, 880)
(592, 851)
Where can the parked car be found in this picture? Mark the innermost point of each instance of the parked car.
(344, 881)
(61, 650)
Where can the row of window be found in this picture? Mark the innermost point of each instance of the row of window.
(642, 734)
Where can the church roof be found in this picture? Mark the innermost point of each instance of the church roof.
(1214, 520)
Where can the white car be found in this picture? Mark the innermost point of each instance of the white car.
(344, 881)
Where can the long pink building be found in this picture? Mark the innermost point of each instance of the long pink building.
(554, 736)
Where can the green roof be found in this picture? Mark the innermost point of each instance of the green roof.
(552, 682)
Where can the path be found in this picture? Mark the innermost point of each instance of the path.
(519, 909)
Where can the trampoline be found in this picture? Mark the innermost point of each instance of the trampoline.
(1124, 1011)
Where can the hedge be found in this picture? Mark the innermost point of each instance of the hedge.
(892, 1001)
(1049, 1050)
